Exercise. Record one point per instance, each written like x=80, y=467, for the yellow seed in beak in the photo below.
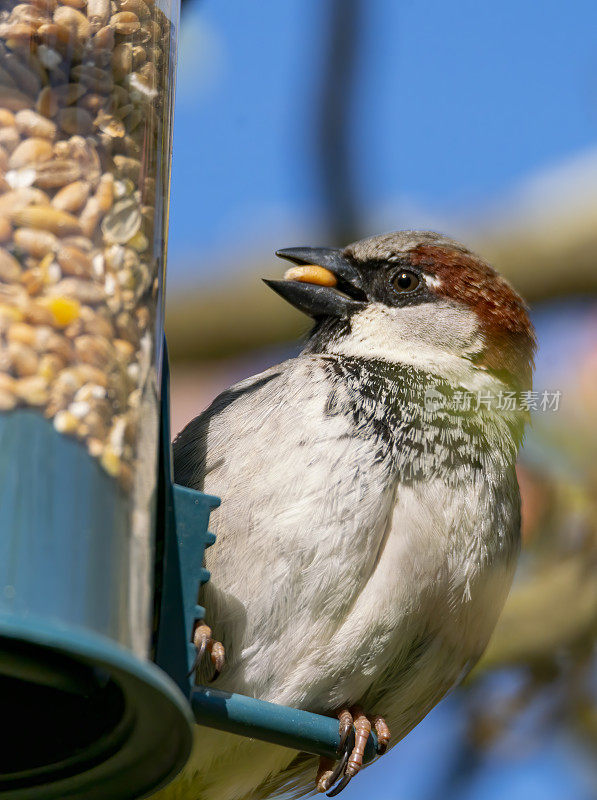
x=311, y=274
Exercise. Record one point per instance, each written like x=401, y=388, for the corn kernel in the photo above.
x=64, y=309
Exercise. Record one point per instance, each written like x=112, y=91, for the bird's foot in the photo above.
x=355, y=727
x=203, y=641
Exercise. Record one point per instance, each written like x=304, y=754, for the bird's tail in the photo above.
x=296, y=780
x=227, y=767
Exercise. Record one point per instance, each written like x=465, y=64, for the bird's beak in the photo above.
x=323, y=284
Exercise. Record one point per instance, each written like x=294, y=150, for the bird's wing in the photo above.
x=202, y=445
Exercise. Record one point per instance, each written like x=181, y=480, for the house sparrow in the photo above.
x=369, y=525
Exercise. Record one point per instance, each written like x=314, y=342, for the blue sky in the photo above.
x=456, y=104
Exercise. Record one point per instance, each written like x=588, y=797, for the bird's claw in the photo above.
x=330, y=771
x=382, y=730
x=203, y=641
x=340, y=786
x=355, y=728
x=341, y=772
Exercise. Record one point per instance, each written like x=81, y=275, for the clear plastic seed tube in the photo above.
x=85, y=135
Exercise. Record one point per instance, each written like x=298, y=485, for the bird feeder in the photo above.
x=101, y=556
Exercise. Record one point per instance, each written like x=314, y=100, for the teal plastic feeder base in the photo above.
x=83, y=716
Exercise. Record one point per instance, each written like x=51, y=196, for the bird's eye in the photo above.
x=405, y=281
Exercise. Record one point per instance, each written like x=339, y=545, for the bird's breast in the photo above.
x=336, y=569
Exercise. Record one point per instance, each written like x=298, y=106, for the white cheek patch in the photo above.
x=438, y=337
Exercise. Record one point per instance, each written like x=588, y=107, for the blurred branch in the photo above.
x=224, y=321
x=549, y=612
x=552, y=608
x=551, y=257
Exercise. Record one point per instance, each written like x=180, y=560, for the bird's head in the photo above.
x=413, y=297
